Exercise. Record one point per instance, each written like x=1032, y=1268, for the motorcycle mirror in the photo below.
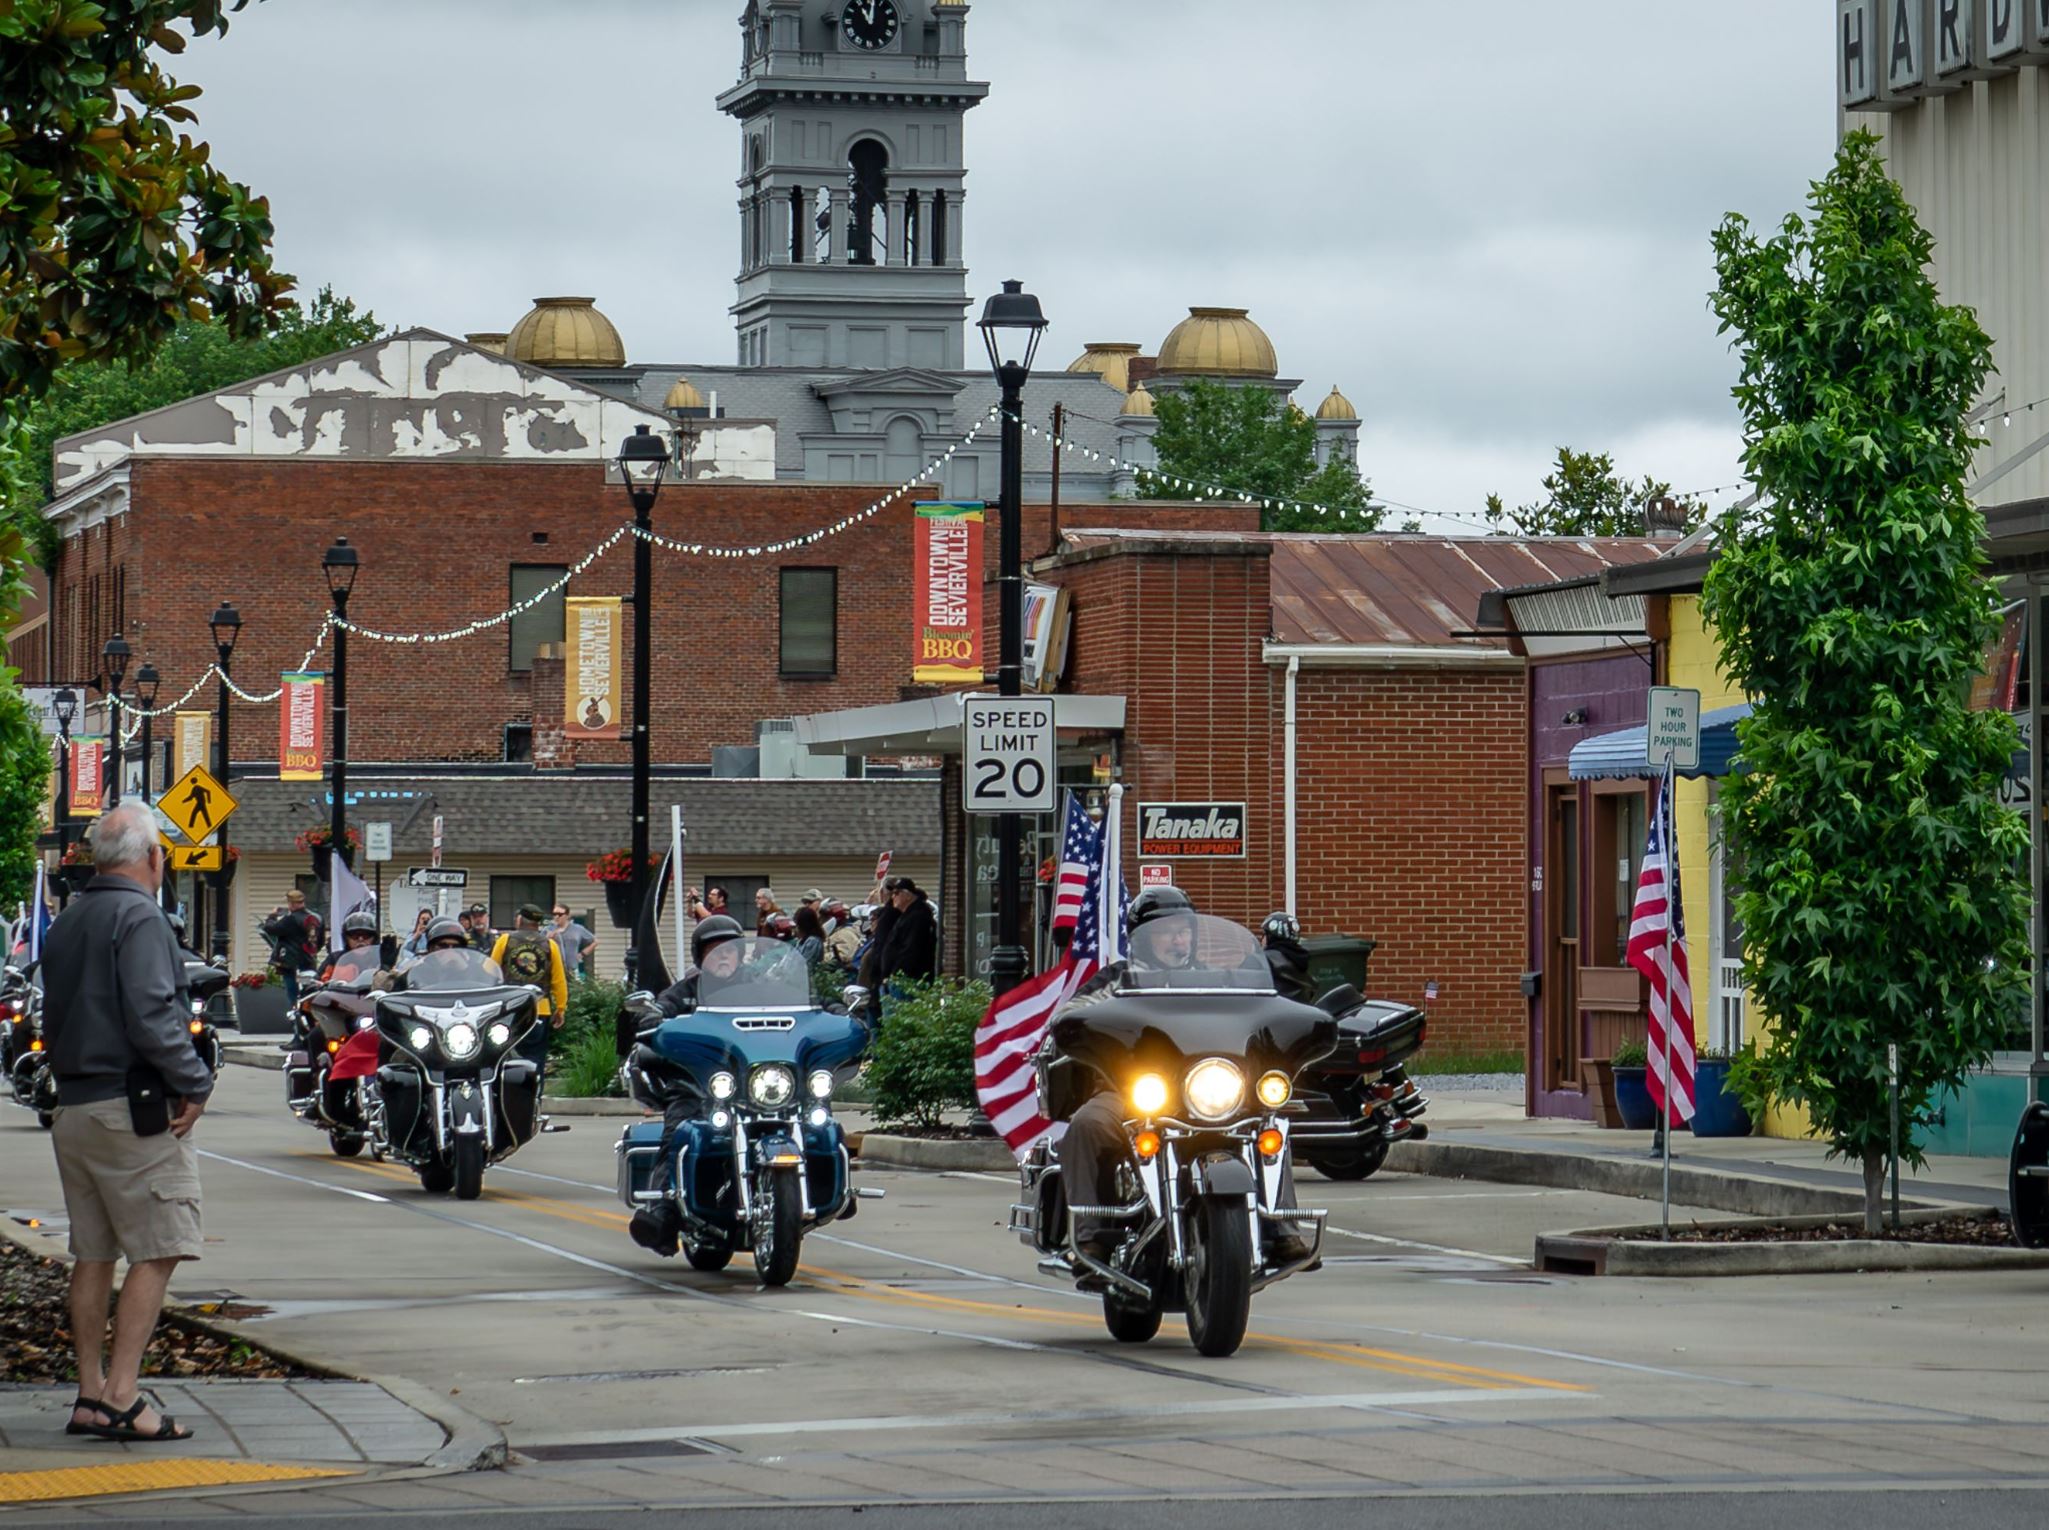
x=640, y=996
x=855, y=997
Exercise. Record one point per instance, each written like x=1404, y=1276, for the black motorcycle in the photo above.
x=331, y=1065
x=205, y=982
x=455, y=1095
x=29, y=1078
x=1204, y=1058
x=1359, y=1101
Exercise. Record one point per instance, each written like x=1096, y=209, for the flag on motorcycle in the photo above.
x=1657, y=949
x=347, y=894
x=1080, y=845
x=1015, y=1023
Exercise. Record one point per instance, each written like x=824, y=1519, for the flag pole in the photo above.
x=1110, y=927
x=1666, y=833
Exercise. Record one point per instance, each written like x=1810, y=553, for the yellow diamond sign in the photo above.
x=197, y=804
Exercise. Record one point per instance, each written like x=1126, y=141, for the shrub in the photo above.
x=585, y=1068
x=1633, y=1053
x=593, y=1005
x=923, y=1062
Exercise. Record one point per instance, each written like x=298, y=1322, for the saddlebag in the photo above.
x=405, y=1119
x=519, y=1100
x=639, y=1147
x=298, y=1076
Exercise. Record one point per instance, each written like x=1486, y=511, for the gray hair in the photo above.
x=124, y=835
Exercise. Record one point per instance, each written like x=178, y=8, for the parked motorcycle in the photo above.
x=1359, y=1101
x=2027, y=1177
x=29, y=1078
x=455, y=1095
x=331, y=1067
x=759, y=1160
x=1205, y=1059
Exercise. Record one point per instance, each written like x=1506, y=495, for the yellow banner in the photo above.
x=590, y=669
x=191, y=742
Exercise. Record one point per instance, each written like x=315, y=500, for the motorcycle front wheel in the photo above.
x=1218, y=1278
x=437, y=1176
x=345, y=1144
x=778, y=1227
x=469, y=1167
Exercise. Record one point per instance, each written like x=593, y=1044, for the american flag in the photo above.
x=1016, y=1022
x=1658, y=913
x=1080, y=846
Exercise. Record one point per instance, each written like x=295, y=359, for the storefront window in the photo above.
x=1621, y=820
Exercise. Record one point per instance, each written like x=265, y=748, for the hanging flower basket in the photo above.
x=614, y=871
x=619, y=904
x=318, y=841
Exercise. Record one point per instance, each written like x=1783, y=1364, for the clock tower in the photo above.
x=852, y=183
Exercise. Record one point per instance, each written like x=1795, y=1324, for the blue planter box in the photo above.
x=1633, y=1099
x=1716, y=1111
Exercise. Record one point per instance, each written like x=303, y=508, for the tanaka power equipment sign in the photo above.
x=1191, y=828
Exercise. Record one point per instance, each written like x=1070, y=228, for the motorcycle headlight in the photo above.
x=722, y=1086
x=1148, y=1094
x=771, y=1085
x=499, y=1033
x=460, y=1039
x=421, y=1038
x=820, y=1084
x=1274, y=1090
x=1215, y=1088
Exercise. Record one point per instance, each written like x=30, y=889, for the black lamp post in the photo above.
x=65, y=704
x=1011, y=326
x=643, y=456
x=115, y=656
x=226, y=626
x=146, y=682
x=339, y=563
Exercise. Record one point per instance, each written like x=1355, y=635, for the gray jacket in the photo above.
x=114, y=997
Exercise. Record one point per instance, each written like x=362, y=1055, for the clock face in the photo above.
x=869, y=24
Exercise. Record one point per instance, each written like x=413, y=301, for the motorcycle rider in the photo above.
x=358, y=930
x=1160, y=929
x=1281, y=934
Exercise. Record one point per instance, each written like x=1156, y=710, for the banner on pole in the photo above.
x=947, y=580
x=88, y=777
x=590, y=678
x=302, y=725
x=191, y=742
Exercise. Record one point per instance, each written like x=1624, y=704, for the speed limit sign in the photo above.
x=1007, y=750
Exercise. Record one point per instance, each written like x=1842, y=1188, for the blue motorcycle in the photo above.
x=748, y=1155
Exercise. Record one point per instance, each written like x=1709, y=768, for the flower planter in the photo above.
x=1601, y=1092
x=74, y=878
x=1717, y=1112
x=1633, y=1099
x=323, y=860
x=619, y=904
x=262, y=1011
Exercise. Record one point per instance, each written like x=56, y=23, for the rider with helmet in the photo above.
x=358, y=930
x=1285, y=954
x=714, y=949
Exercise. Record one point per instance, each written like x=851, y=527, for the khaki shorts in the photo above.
x=126, y=1195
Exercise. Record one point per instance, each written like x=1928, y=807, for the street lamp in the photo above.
x=1011, y=324
x=115, y=655
x=643, y=456
x=146, y=682
x=65, y=704
x=226, y=626
x=340, y=563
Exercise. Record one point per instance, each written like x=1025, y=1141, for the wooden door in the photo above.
x=1562, y=937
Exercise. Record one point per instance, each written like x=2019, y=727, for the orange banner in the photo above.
x=947, y=585
x=88, y=777
x=302, y=727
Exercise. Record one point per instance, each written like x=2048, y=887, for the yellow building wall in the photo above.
x=1693, y=659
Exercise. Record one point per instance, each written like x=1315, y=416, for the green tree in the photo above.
x=1886, y=896
x=1584, y=497
x=1250, y=440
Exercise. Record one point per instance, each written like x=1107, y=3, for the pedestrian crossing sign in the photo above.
x=197, y=804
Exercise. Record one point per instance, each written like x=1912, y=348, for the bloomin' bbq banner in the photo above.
x=947, y=581
x=590, y=672
x=88, y=777
x=301, y=745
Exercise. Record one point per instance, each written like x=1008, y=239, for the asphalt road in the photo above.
x=920, y=1357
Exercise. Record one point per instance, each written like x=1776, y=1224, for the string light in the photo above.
x=486, y=623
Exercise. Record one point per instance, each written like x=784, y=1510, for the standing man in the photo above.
x=295, y=933
x=130, y=1088
x=480, y=928
x=911, y=949
x=577, y=944
x=526, y=955
x=766, y=909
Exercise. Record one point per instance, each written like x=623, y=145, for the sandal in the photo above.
x=122, y=1424
x=73, y=1426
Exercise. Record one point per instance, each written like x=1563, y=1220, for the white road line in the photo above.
x=299, y=1179
x=1435, y=1248
x=1292, y=1403
x=1478, y=1195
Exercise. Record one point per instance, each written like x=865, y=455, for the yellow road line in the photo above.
x=149, y=1477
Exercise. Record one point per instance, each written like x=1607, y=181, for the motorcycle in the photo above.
x=1204, y=1058
x=204, y=982
x=29, y=1078
x=759, y=1160
x=331, y=1066
x=1359, y=1101
x=455, y=1096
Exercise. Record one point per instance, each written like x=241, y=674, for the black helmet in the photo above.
x=1155, y=903
x=360, y=923
x=445, y=928
x=1281, y=925
x=714, y=930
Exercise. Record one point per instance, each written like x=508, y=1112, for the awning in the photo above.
x=1606, y=756
x=932, y=724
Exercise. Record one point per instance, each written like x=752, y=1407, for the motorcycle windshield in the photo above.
x=754, y=972
x=354, y=968
x=462, y=967
x=1195, y=953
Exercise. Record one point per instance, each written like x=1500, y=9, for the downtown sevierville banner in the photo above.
x=590, y=668
x=301, y=720
x=946, y=582
x=191, y=742
x=88, y=776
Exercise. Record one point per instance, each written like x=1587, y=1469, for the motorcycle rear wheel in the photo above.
x=437, y=1177
x=1128, y=1322
x=46, y=1119
x=345, y=1144
x=1218, y=1279
x=1360, y=1163
x=469, y=1167
x=778, y=1233
x=706, y=1257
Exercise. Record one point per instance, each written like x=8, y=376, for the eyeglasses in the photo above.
x=561, y=913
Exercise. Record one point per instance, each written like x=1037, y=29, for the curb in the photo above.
x=1612, y=1251
x=250, y=1055
x=883, y=1151
x=596, y=1105
x=1744, y=1194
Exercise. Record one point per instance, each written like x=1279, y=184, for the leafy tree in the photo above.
x=1583, y=497
x=1887, y=897
x=1250, y=440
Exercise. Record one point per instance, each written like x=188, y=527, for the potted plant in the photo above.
x=319, y=842
x=260, y=1008
x=1718, y=1110
x=614, y=872
x=76, y=869
x=1632, y=1095
x=1601, y=1092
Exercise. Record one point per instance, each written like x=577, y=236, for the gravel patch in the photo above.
x=1498, y=1083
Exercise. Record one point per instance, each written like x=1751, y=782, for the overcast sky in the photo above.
x=1486, y=220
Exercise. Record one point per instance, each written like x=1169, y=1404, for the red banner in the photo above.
x=302, y=738
x=947, y=585
x=88, y=777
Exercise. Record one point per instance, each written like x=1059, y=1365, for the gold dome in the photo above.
x=1336, y=407
x=683, y=394
x=492, y=340
x=1109, y=360
x=566, y=332
x=1138, y=402
x=1217, y=342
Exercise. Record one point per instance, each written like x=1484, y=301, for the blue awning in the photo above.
x=1621, y=753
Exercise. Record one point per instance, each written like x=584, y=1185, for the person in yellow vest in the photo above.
x=525, y=954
